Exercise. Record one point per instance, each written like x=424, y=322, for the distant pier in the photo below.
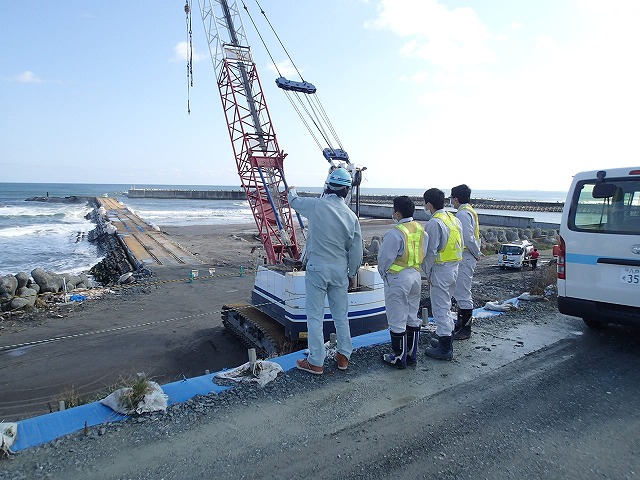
x=145, y=244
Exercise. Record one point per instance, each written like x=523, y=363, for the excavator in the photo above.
x=274, y=322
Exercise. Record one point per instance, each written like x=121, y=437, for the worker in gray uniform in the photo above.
x=399, y=261
x=334, y=253
x=460, y=198
x=440, y=265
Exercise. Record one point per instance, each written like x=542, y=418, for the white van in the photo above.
x=599, y=248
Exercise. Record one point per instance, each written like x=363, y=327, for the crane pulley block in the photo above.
x=336, y=154
x=302, y=87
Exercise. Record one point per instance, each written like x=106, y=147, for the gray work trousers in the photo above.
x=402, y=299
x=442, y=284
x=462, y=292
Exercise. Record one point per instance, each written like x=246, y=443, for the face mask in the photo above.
x=393, y=217
x=427, y=212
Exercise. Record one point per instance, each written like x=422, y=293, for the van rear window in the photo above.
x=618, y=212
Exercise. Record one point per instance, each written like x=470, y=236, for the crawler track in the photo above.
x=256, y=330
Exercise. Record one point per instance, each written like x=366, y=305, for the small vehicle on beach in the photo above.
x=515, y=254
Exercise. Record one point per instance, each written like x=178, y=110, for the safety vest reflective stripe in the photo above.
x=413, y=247
x=452, y=251
x=469, y=208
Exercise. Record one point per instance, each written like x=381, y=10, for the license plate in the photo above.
x=630, y=276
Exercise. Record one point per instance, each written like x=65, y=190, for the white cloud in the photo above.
x=28, y=77
x=447, y=38
x=182, y=50
x=285, y=68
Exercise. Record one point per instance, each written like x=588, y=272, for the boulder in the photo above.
x=8, y=284
x=33, y=285
x=5, y=301
x=512, y=236
x=23, y=279
x=49, y=282
x=25, y=297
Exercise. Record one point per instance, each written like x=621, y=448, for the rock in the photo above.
x=27, y=297
x=23, y=279
x=5, y=301
x=512, y=236
x=33, y=285
x=8, y=284
x=49, y=282
x=71, y=280
x=126, y=278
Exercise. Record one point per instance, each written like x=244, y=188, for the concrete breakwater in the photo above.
x=187, y=194
x=480, y=203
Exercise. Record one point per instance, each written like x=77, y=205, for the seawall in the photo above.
x=385, y=211
x=187, y=194
x=480, y=203
x=379, y=206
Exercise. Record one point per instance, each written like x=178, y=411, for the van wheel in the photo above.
x=592, y=323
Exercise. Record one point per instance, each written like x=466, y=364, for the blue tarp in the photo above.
x=45, y=428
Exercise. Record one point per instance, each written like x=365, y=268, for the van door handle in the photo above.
x=619, y=261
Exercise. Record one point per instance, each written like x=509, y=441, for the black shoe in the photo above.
x=444, y=350
x=462, y=333
x=462, y=329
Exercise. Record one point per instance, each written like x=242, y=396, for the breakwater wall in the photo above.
x=479, y=203
x=187, y=194
x=385, y=211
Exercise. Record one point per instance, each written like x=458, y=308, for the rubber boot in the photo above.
x=462, y=330
x=444, y=350
x=398, y=358
x=413, y=336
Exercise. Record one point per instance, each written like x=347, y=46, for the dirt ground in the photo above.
x=166, y=326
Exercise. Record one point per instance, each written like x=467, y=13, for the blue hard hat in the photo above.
x=338, y=179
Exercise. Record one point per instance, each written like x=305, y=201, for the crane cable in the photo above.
x=187, y=11
x=315, y=112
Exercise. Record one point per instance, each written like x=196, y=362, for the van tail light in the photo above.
x=559, y=251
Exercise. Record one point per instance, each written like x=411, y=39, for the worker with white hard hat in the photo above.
x=334, y=253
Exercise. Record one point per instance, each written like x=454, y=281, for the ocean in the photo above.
x=53, y=236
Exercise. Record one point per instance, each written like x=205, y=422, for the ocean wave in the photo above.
x=46, y=230
x=65, y=214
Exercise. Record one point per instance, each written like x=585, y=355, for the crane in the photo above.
x=258, y=156
x=278, y=296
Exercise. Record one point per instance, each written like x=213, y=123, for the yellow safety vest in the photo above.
x=413, y=247
x=452, y=251
x=469, y=208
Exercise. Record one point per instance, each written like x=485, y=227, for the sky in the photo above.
x=507, y=95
